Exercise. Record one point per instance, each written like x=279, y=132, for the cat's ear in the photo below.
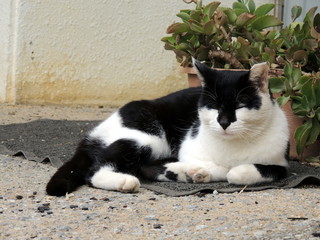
x=202, y=71
x=259, y=75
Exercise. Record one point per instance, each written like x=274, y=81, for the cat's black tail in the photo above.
x=72, y=174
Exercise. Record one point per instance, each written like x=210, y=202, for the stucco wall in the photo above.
x=91, y=51
x=5, y=47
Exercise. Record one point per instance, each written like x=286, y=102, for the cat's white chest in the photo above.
x=208, y=150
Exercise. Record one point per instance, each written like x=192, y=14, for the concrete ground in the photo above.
x=26, y=212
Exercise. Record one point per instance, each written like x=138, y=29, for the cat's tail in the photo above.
x=71, y=175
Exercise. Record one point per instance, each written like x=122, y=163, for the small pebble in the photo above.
x=157, y=226
x=43, y=209
x=19, y=197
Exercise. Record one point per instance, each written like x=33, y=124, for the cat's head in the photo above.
x=234, y=104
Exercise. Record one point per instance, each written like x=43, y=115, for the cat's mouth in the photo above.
x=226, y=133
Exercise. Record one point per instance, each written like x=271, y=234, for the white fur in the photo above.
x=107, y=179
x=245, y=174
x=112, y=130
x=258, y=136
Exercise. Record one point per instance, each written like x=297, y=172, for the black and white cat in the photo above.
x=230, y=129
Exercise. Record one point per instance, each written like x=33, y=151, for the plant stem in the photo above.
x=227, y=57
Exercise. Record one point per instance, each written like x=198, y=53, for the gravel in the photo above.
x=26, y=212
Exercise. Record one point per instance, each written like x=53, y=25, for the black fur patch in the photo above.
x=153, y=169
x=73, y=173
x=195, y=128
x=124, y=155
x=173, y=115
x=275, y=172
x=227, y=91
x=171, y=175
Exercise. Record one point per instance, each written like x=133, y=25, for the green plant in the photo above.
x=300, y=83
x=241, y=36
x=224, y=37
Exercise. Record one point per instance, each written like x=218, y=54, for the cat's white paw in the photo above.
x=199, y=175
x=245, y=174
x=129, y=184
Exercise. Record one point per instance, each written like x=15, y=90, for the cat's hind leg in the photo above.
x=106, y=178
x=248, y=174
x=117, y=165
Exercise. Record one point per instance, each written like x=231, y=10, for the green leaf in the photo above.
x=316, y=88
x=317, y=112
x=239, y=5
x=300, y=55
x=265, y=21
x=199, y=5
x=196, y=26
x=183, y=46
x=264, y=9
x=296, y=74
x=316, y=22
x=277, y=84
x=170, y=39
x=272, y=35
x=184, y=16
x=239, y=8
x=232, y=16
x=178, y=28
x=211, y=8
x=195, y=15
x=295, y=12
x=243, y=19
x=312, y=11
x=209, y=28
x=180, y=53
x=301, y=136
x=308, y=92
x=288, y=70
x=282, y=100
x=309, y=16
x=251, y=6
x=302, y=80
x=315, y=131
x=202, y=53
x=310, y=44
x=168, y=46
x=298, y=108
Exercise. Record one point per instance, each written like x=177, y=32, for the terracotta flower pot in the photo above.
x=294, y=122
x=193, y=79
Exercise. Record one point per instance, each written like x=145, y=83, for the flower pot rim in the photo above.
x=191, y=70
x=272, y=72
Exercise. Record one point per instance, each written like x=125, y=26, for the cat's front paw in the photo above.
x=245, y=174
x=200, y=175
x=129, y=184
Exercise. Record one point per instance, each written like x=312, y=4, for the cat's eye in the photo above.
x=212, y=105
x=240, y=105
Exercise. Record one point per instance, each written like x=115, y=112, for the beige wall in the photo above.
x=87, y=51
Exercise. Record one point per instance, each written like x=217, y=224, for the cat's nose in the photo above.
x=224, y=122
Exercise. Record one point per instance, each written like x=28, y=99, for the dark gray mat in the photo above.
x=55, y=141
